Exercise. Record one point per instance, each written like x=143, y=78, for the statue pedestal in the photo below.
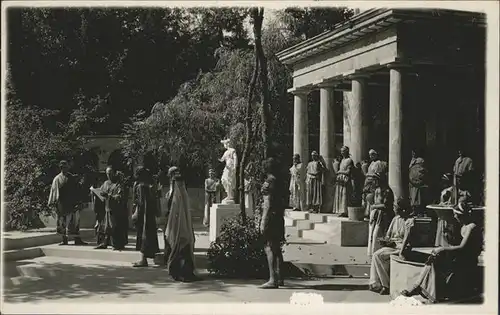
x=218, y=213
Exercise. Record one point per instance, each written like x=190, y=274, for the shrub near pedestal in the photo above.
x=238, y=251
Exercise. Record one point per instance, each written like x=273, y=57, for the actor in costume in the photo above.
x=64, y=197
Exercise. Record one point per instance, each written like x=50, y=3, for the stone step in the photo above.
x=336, y=271
x=292, y=232
x=22, y=253
x=298, y=215
x=19, y=240
x=300, y=224
x=327, y=260
x=316, y=235
x=326, y=254
x=129, y=255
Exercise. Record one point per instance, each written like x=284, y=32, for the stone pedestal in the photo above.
x=404, y=274
x=220, y=212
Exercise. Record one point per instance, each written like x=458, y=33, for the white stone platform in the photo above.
x=218, y=213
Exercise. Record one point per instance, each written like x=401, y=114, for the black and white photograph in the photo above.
x=256, y=154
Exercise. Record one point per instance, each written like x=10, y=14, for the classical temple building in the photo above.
x=409, y=78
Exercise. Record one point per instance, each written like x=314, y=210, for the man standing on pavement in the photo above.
x=63, y=197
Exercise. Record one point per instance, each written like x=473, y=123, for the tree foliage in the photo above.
x=125, y=59
x=32, y=156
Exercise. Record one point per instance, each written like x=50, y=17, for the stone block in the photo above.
x=220, y=212
x=424, y=232
x=404, y=274
x=342, y=231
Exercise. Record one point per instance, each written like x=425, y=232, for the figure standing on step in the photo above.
x=64, y=197
x=295, y=184
x=145, y=217
x=314, y=182
x=212, y=188
x=249, y=189
x=417, y=186
x=344, y=183
x=178, y=232
x=381, y=212
x=272, y=225
x=375, y=166
x=110, y=221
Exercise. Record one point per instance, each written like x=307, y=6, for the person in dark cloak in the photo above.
x=145, y=217
x=178, y=231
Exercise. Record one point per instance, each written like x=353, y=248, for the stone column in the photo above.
x=301, y=136
x=327, y=143
x=359, y=130
x=346, y=130
x=396, y=133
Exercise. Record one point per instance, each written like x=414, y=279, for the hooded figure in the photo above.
x=178, y=232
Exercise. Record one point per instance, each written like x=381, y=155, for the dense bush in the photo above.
x=238, y=251
x=35, y=143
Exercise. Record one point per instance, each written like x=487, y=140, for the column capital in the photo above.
x=299, y=91
x=327, y=83
x=356, y=75
x=399, y=65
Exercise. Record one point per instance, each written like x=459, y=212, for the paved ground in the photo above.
x=56, y=279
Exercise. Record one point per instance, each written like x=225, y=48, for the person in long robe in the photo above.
x=212, y=187
x=462, y=171
x=314, y=182
x=272, y=225
x=145, y=217
x=381, y=213
x=295, y=185
x=249, y=190
x=450, y=269
x=178, y=232
x=396, y=242
x=122, y=218
x=376, y=166
x=418, y=188
x=110, y=225
x=64, y=198
x=446, y=232
x=343, y=184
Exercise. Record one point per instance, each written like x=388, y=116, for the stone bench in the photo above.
x=404, y=274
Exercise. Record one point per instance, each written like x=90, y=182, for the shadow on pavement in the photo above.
x=73, y=281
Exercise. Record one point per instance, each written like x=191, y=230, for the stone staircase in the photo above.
x=326, y=245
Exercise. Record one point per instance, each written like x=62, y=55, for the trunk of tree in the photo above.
x=257, y=29
x=265, y=116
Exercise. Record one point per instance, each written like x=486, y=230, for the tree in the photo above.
x=61, y=59
x=32, y=156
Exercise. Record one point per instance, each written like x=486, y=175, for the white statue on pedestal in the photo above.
x=229, y=175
